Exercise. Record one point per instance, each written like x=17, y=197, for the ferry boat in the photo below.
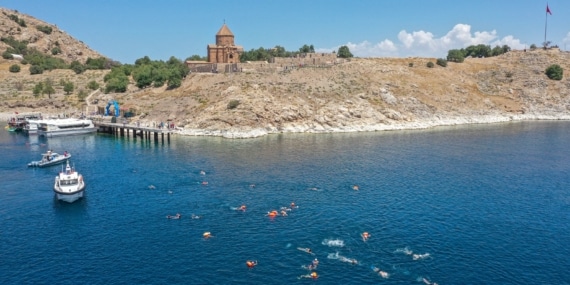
x=69, y=185
x=65, y=127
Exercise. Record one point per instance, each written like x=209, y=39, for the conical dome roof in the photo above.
x=224, y=31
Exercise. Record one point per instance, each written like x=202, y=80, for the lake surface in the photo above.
x=481, y=204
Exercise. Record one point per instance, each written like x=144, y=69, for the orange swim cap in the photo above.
x=314, y=275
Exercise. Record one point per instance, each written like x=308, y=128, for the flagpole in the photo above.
x=545, y=24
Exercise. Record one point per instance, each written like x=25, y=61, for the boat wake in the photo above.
x=333, y=242
x=342, y=258
x=420, y=256
x=404, y=250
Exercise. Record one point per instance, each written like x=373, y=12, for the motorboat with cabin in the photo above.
x=18, y=122
x=64, y=127
x=69, y=185
x=50, y=158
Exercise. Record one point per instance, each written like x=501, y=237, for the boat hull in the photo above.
x=49, y=163
x=67, y=194
x=69, y=197
x=78, y=131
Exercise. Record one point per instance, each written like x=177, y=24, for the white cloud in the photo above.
x=425, y=44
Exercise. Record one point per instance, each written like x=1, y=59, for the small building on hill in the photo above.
x=225, y=50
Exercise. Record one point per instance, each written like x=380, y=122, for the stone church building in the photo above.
x=225, y=50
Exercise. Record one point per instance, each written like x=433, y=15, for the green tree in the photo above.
x=174, y=81
x=196, y=57
x=344, y=52
x=48, y=88
x=430, y=64
x=81, y=95
x=68, y=87
x=77, y=67
x=455, y=55
x=555, y=72
x=441, y=62
x=38, y=88
x=14, y=68
x=305, y=49
x=143, y=61
x=143, y=76
x=93, y=85
x=532, y=47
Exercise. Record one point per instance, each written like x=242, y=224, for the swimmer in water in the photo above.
x=307, y=250
x=349, y=260
x=355, y=187
x=313, y=275
x=175, y=217
x=384, y=274
x=251, y=263
x=207, y=235
x=202, y=172
x=283, y=213
x=242, y=208
x=195, y=217
x=365, y=236
x=315, y=262
x=252, y=185
x=293, y=206
x=205, y=183
x=272, y=214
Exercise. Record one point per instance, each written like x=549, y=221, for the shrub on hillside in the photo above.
x=429, y=64
x=44, y=29
x=36, y=69
x=55, y=51
x=441, y=62
x=411, y=64
x=93, y=85
x=554, y=72
x=233, y=104
x=15, y=68
x=7, y=55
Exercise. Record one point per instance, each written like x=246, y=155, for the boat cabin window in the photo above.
x=68, y=182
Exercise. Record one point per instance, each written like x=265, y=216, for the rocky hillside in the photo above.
x=25, y=28
x=357, y=95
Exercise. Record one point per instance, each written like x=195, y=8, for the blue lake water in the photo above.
x=482, y=204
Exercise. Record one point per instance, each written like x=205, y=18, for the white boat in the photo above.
x=69, y=185
x=65, y=127
x=31, y=126
x=50, y=158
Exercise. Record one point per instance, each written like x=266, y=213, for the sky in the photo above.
x=125, y=30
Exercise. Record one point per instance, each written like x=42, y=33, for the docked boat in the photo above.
x=65, y=127
x=50, y=158
x=31, y=127
x=18, y=122
x=69, y=185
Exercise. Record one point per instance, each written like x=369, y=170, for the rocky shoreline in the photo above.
x=316, y=128
x=247, y=132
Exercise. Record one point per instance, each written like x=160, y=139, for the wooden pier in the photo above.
x=125, y=130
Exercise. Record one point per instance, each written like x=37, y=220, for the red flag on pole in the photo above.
x=548, y=10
